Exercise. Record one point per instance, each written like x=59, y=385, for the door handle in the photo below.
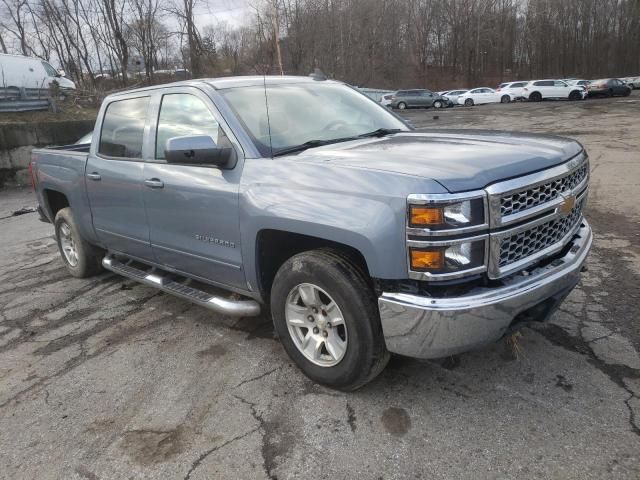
x=95, y=176
x=154, y=183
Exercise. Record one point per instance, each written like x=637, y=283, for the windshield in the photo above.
x=306, y=112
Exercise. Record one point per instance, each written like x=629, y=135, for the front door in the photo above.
x=193, y=210
x=113, y=178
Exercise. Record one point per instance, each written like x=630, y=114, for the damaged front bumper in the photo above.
x=430, y=327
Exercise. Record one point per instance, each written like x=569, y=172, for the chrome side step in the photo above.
x=161, y=280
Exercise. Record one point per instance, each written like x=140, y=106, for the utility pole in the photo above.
x=276, y=35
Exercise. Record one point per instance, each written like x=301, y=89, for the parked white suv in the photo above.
x=514, y=89
x=537, y=90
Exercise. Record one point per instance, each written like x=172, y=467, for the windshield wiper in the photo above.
x=310, y=144
x=381, y=132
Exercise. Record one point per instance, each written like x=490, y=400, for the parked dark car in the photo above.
x=608, y=87
x=418, y=98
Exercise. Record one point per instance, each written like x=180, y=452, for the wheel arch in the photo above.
x=274, y=247
x=55, y=201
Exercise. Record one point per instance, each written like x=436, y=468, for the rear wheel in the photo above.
x=505, y=99
x=326, y=316
x=609, y=93
x=402, y=105
x=80, y=258
x=535, y=97
x=468, y=102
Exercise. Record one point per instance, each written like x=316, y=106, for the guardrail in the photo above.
x=13, y=99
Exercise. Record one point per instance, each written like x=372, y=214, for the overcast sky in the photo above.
x=233, y=11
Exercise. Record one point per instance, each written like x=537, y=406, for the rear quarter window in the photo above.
x=123, y=128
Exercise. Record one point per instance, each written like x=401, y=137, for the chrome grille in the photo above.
x=540, y=194
x=531, y=241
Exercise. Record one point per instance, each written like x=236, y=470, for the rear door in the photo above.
x=114, y=176
x=193, y=210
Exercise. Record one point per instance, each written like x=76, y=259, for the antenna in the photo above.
x=266, y=103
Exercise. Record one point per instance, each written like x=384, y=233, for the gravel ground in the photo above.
x=104, y=378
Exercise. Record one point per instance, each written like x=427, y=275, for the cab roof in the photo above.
x=230, y=82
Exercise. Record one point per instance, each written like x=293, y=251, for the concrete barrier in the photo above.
x=18, y=139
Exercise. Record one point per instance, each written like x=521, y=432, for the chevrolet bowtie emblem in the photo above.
x=567, y=205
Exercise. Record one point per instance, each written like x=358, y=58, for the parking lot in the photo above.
x=104, y=378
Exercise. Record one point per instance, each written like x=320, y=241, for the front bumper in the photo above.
x=425, y=327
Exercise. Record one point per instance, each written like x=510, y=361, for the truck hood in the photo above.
x=459, y=160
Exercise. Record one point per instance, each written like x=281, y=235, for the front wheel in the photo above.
x=437, y=104
x=575, y=95
x=326, y=315
x=80, y=258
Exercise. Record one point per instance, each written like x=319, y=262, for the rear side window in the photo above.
x=123, y=128
x=182, y=114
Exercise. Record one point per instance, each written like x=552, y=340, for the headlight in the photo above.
x=447, y=235
x=436, y=215
x=448, y=259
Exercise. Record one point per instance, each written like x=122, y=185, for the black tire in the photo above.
x=505, y=99
x=628, y=92
x=438, y=104
x=366, y=354
x=468, y=102
x=609, y=93
x=88, y=257
x=535, y=97
x=575, y=95
x=402, y=106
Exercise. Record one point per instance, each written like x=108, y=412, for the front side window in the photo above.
x=182, y=114
x=302, y=112
x=123, y=128
x=518, y=85
x=52, y=72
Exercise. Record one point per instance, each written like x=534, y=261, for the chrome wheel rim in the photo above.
x=67, y=244
x=316, y=325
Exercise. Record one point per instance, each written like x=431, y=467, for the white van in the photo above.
x=29, y=72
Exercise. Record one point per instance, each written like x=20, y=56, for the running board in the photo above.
x=162, y=281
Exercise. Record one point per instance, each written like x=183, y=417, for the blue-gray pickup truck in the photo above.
x=307, y=201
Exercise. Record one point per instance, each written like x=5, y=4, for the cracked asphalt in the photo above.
x=107, y=379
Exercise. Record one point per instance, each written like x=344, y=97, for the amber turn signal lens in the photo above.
x=427, y=216
x=427, y=259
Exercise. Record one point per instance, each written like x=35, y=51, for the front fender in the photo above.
x=363, y=209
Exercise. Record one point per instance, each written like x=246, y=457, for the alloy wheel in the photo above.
x=316, y=325
x=68, y=244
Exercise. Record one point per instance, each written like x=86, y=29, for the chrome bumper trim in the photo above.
x=425, y=327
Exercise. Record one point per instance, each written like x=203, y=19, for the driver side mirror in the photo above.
x=198, y=150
